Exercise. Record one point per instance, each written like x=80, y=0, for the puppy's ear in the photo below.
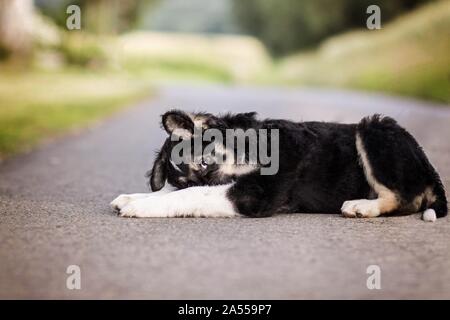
x=250, y=115
x=158, y=174
x=178, y=123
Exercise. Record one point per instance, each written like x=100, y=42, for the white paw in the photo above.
x=360, y=209
x=121, y=201
x=139, y=208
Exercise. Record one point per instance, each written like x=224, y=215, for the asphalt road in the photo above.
x=54, y=213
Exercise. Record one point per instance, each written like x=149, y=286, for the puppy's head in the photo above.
x=197, y=168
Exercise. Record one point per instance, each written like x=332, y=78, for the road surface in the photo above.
x=54, y=213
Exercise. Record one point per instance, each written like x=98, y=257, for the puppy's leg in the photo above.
x=204, y=201
x=123, y=199
x=396, y=168
x=364, y=208
x=387, y=200
x=253, y=196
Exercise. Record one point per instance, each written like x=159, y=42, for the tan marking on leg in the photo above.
x=387, y=200
x=429, y=196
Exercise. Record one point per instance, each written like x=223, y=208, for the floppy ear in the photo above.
x=178, y=122
x=251, y=115
x=158, y=174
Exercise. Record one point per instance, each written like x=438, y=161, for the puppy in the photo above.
x=362, y=170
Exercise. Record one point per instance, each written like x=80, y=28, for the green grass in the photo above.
x=178, y=69
x=37, y=105
x=409, y=56
x=99, y=75
x=193, y=57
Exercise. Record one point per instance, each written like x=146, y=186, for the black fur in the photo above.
x=399, y=162
x=319, y=166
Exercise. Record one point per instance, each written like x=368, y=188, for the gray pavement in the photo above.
x=54, y=213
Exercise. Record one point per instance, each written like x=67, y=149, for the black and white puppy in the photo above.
x=362, y=170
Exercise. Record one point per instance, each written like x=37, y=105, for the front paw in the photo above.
x=137, y=208
x=120, y=202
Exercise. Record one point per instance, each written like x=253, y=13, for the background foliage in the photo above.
x=288, y=25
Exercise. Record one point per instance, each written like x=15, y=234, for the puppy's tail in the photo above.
x=438, y=208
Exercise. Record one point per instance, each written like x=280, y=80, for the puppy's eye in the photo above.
x=203, y=164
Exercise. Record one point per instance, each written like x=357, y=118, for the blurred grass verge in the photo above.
x=409, y=56
x=218, y=58
x=75, y=78
x=37, y=105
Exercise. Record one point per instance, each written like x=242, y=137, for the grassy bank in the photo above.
x=37, y=105
x=409, y=56
x=169, y=56
x=93, y=76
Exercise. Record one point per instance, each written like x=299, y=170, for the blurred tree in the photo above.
x=195, y=16
x=287, y=25
x=99, y=16
x=16, y=23
x=110, y=16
